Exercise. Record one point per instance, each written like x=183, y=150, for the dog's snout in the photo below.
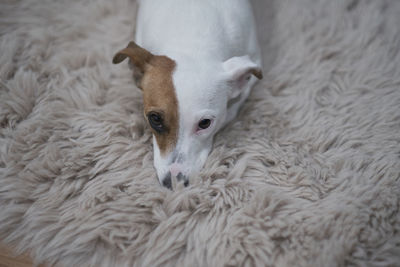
x=167, y=182
x=181, y=177
x=176, y=171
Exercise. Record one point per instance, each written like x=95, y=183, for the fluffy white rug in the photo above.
x=308, y=175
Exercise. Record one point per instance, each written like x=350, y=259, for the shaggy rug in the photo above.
x=307, y=175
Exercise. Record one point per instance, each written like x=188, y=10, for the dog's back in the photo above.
x=212, y=28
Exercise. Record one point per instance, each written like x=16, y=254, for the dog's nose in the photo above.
x=167, y=181
x=181, y=177
x=175, y=169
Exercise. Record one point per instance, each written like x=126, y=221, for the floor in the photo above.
x=8, y=260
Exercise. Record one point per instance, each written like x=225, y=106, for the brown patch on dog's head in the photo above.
x=159, y=97
x=160, y=102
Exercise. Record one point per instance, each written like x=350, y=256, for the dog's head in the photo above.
x=185, y=104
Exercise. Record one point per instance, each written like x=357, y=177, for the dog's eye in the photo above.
x=156, y=121
x=204, y=124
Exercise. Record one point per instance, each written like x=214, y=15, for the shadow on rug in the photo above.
x=308, y=175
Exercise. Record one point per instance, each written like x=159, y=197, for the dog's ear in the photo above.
x=239, y=71
x=139, y=58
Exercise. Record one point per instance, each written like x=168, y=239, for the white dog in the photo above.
x=196, y=61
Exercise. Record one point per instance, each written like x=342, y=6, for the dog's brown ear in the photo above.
x=138, y=56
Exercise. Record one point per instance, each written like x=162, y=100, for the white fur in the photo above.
x=211, y=42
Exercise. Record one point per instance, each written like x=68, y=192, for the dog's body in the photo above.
x=197, y=61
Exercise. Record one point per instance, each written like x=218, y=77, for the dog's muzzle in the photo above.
x=167, y=181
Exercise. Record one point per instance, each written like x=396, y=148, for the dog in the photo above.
x=196, y=62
